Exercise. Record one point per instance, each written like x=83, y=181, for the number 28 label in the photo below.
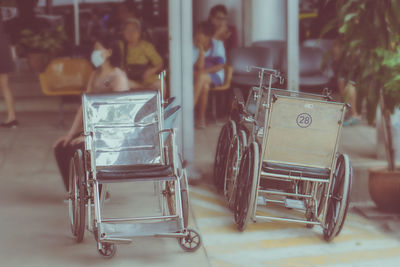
x=304, y=120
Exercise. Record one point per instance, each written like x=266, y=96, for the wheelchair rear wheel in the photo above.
x=247, y=186
x=77, y=196
x=236, y=148
x=338, y=202
x=185, y=207
x=228, y=131
x=171, y=198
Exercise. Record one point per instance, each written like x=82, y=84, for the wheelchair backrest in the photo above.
x=125, y=128
x=303, y=131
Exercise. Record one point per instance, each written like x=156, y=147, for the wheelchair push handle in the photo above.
x=161, y=77
x=266, y=71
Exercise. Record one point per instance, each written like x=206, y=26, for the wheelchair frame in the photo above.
x=171, y=189
x=254, y=176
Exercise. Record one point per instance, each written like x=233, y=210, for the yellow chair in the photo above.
x=220, y=89
x=65, y=77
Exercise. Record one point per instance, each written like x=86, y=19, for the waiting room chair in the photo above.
x=277, y=50
x=326, y=45
x=65, y=77
x=313, y=74
x=242, y=58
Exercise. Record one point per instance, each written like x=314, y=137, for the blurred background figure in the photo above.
x=6, y=66
x=209, y=60
x=226, y=33
x=141, y=61
x=26, y=19
x=347, y=88
x=95, y=26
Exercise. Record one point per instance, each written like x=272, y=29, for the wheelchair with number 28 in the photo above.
x=280, y=149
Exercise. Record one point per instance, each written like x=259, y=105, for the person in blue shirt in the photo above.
x=209, y=60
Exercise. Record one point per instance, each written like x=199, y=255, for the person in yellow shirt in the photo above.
x=141, y=61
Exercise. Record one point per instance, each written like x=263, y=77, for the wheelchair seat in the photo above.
x=134, y=172
x=295, y=170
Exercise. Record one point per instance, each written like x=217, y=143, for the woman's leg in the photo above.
x=202, y=82
x=203, y=99
x=352, y=99
x=63, y=155
x=8, y=98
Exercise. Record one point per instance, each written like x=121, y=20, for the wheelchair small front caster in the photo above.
x=107, y=250
x=310, y=218
x=191, y=242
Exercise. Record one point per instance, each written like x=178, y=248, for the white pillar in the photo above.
x=187, y=80
x=266, y=21
x=181, y=70
x=293, y=44
x=76, y=22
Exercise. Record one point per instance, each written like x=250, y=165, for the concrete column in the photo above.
x=267, y=18
x=187, y=79
x=76, y=22
x=293, y=56
x=181, y=71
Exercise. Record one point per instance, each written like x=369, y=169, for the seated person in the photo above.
x=106, y=78
x=209, y=61
x=226, y=33
x=141, y=61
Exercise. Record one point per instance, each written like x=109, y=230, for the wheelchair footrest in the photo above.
x=294, y=204
x=127, y=230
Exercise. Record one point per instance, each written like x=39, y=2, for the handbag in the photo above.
x=133, y=71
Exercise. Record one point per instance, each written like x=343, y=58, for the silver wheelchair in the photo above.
x=281, y=149
x=129, y=138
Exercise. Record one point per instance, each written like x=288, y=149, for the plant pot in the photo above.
x=384, y=188
x=37, y=61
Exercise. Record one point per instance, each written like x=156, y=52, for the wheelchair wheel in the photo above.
x=235, y=153
x=185, y=207
x=339, y=198
x=247, y=186
x=107, y=250
x=228, y=131
x=191, y=242
x=185, y=200
x=170, y=195
x=77, y=196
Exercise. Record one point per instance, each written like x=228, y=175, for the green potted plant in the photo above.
x=40, y=46
x=369, y=33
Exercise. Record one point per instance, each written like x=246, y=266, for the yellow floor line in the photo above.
x=289, y=242
x=337, y=258
x=220, y=263
x=214, y=200
x=202, y=212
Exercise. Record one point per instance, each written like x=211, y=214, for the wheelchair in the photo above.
x=283, y=154
x=129, y=138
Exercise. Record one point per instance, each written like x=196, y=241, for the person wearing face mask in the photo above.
x=107, y=77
